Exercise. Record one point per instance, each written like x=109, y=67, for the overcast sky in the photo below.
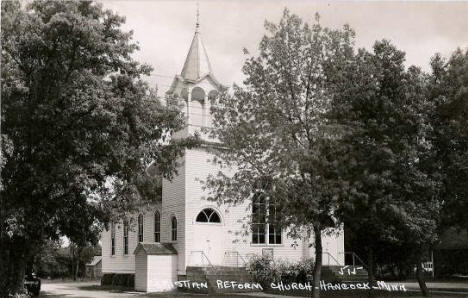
x=164, y=29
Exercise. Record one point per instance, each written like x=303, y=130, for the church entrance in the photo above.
x=209, y=238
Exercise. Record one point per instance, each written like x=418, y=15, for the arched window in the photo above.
x=157, y=226
x=174, y=228
x=208, y=215
x=213, y=94
x=140, y=228
x=198, y=94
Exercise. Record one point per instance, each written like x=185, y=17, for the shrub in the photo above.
x=118, y=279
x=265, y=270
x=106, y=279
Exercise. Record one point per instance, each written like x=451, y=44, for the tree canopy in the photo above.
x=79, y=126
x=275, y=132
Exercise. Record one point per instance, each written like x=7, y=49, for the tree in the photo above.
x=79, y=126
x=449, y=92
x=393, y=190
x=275, y=133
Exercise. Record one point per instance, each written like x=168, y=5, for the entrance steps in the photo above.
x=220, y=279
x=347, y=273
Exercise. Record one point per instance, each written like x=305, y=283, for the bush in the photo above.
x=106, y=279
x=265, y=270
x=297, y=272
x=118, y=279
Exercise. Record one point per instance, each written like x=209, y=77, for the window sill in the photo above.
x=265, y=245
x=208, y=223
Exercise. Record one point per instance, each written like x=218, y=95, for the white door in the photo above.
x=208, y=238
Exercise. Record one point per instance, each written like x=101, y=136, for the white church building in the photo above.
x=186, y=231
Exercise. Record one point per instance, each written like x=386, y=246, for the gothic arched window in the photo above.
x=112, y=238
x=208, y=215
x=157, y=226
x=174, y=229
x=140, y=228
x=125, y=237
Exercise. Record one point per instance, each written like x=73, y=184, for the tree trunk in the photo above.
x=16, y=269
x=19, y=270
x=73, y=261
x=318, y=262
x=420, y=277
x=77, y=268
x=13, y=255
x=4, y=265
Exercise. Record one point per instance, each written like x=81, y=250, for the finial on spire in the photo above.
x=197, y=26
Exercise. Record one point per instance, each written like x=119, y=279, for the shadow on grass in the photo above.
x=111, y=289
x=375, y=294
x=46, y=294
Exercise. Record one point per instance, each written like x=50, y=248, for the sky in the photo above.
x=164, y=29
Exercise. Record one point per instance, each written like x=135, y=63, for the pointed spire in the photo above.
x=197, y=64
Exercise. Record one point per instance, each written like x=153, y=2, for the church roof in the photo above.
x=197, y=65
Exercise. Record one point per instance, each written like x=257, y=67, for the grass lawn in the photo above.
x=357, y=293
x=298, y=293
x=329, y=294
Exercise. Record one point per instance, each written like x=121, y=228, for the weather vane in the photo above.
x=198, y=16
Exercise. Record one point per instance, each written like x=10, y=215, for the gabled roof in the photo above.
x=155, y=248
x=197, y=65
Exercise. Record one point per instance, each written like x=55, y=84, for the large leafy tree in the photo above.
x=274, y=131
x=393, y=189
x=449, y=92
x=79, y=127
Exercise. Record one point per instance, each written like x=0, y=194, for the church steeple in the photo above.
x=197, y=65
x=196, y=71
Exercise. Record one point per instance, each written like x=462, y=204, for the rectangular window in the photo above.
x=274, y=230
x=265, y=227
x=125, y=238
x=112, y=238
x=274, y=234
x=258, y=220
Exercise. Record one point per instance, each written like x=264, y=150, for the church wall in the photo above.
x=173, y=203
x=120, y=263
x=198, y=168
x=233, y=234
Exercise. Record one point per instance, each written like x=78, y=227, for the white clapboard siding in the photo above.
x=141, y=272
x=120, y=263
x=173, y=204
